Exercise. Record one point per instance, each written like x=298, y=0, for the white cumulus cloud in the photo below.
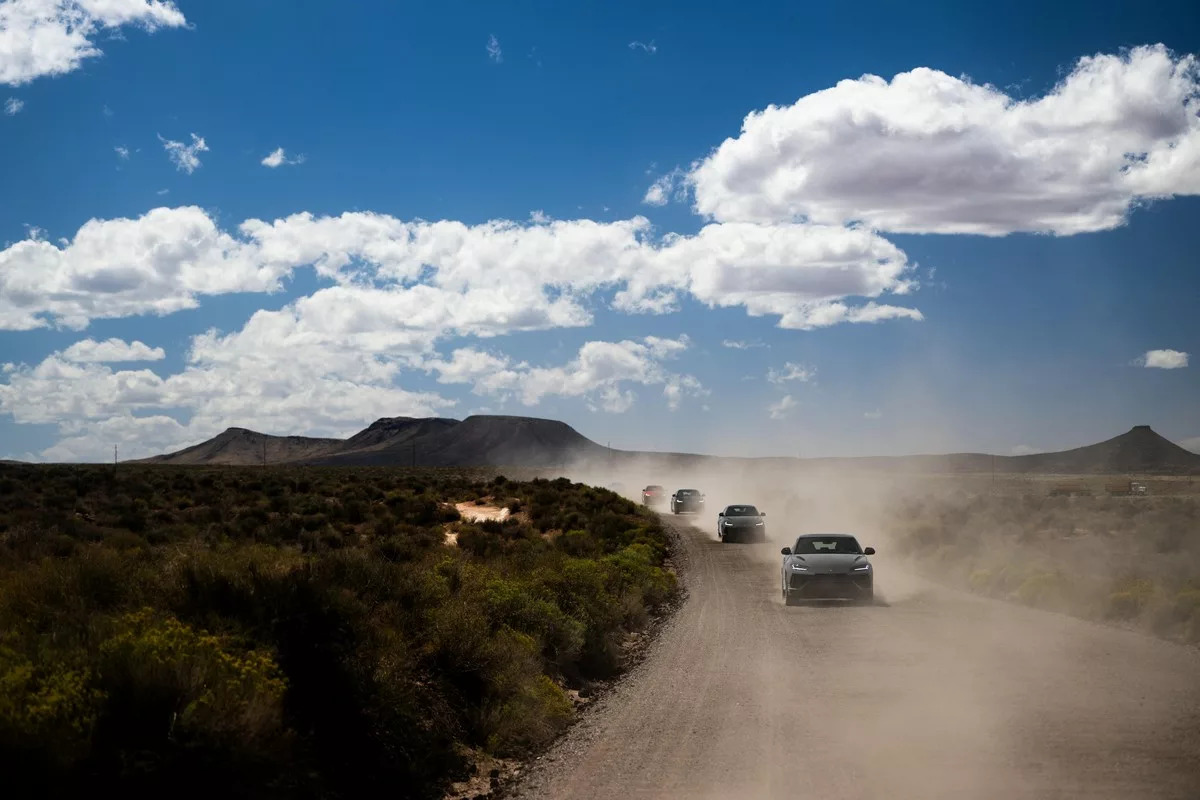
x=13, y=106
x=791, y=372
x=90, y=351
x=185, y=157
x=927, y=152
x=646, y=47
x=876, y=414
x=599, y=373
x=155, y=264
x=122, y=153
x=53, y=37
x=449, y=277
x=226, y=382
x=782, y=408
x=278, y=158
x=668, y=187
x=1162, y=359
x=493, y=49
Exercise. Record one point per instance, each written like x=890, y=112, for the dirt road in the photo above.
x=931, y=694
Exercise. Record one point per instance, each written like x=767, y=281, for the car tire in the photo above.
x=867, y=598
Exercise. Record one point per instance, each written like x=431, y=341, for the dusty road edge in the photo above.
x=530, y=773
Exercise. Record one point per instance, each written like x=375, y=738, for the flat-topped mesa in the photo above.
x=518, y=441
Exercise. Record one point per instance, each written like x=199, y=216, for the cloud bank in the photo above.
x=41, y=38
x=927, y=152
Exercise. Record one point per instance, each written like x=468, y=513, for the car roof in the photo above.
x=826, y=536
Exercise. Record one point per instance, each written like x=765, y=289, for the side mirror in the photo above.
x=870, y=551
x=787, y=551
x=762, y=513
x=720, y=513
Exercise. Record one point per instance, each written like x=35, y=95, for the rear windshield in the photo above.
x=653, y=488
x=741, y=511
x=813, y=545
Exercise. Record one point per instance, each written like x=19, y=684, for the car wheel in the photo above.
x=868, y=597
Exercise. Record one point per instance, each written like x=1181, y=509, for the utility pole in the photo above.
x=114, y=458
x=264, y=451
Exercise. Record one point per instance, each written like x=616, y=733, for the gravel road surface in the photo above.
x=929, y=694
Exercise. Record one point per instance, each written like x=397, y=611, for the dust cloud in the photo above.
x=931, y=693
x=797, y=499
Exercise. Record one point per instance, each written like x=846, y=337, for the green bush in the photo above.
x=165, y=681
x=300, y=631
x=47, y=713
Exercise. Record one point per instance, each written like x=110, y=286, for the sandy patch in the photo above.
x=473, y=513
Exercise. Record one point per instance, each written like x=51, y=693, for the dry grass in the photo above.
x=1133, y=560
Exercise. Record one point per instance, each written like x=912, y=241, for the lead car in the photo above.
x=824, y=566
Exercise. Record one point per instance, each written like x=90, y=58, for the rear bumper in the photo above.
x=845, y=585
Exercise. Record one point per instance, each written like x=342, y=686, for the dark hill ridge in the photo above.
x=510, y=441
x=1140, y=450
x=477, y=441
x=242, y=446
x=482, y=440
x=391, y=431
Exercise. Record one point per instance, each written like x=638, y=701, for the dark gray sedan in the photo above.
x=741, y=524
x=685, y=501
x=823, y=566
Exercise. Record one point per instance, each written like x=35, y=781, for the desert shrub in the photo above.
x=47, y=713
x=480, y=542
x=1186, y=605
x=1042, y=590
x=578, y=543
x=1130, y=598
x=527, y=718
x=164, y=681
x=299, y=632
x=980, y=580
x=530, y=609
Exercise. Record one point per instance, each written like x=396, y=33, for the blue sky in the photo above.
x=564, y=210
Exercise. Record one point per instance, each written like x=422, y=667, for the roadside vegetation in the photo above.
x=1128, y=560
x=292, y=632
